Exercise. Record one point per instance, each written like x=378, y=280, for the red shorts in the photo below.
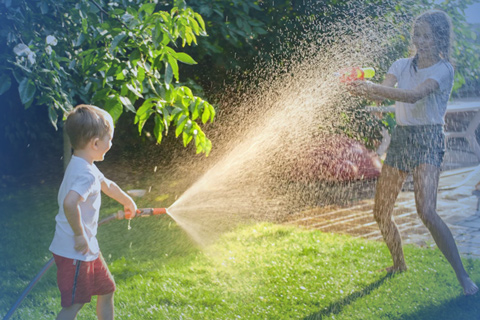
x=79, y=280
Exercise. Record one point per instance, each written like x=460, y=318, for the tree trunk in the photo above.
x=67, y=149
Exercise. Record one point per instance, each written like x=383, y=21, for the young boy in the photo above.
x=82, y=272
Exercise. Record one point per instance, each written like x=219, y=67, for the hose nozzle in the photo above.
x=143, y=212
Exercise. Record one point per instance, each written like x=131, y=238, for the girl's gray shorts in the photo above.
x=411, y=146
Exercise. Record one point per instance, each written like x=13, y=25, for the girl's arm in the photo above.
x=112, y=190
x=370, y=89
x=356, y=88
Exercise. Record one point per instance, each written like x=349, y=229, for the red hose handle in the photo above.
x=143, y=212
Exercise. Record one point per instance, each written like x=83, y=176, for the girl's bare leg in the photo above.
x=388, y=187
x=426, y=179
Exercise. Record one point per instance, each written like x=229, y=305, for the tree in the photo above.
x=123, y=55
x=240, y=31
x=117, y=54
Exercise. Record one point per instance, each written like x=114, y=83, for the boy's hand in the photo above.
x=112, y=190
x=130, y=206
x=81, y=244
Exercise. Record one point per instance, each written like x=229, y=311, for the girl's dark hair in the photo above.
x=442, y=30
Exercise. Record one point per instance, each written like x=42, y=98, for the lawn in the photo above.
x=261, y=271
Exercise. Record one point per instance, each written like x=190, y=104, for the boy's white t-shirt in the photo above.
x=85, y=179
x=431, y=109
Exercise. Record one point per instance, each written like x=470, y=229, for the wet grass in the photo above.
x=262, y=271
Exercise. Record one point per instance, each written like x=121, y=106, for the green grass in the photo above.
x=262, y=271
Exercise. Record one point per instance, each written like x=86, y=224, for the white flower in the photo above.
x=31, y=57
x=195, y=132
x=52, y=41
x=49, y=50
x=22, y=50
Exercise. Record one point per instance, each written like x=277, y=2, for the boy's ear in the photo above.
x=94, y=143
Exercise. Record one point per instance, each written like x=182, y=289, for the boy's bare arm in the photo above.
x=72, y=213
x=112, y=190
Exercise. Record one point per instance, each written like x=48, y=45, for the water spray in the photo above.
x=347, y=75
x=120, y=215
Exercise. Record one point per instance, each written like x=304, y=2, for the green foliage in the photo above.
x=232, y=25
x=240, y=31
x=119, y=55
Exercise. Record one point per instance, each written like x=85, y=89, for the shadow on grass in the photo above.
x=337, y=306
x=461, y=307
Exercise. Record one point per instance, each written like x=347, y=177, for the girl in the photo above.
x=424, y=83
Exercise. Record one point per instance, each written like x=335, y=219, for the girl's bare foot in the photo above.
x=469, y=287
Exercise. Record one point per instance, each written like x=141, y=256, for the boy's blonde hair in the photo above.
x=86, y=122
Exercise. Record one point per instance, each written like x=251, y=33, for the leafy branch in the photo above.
x=126, y=60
